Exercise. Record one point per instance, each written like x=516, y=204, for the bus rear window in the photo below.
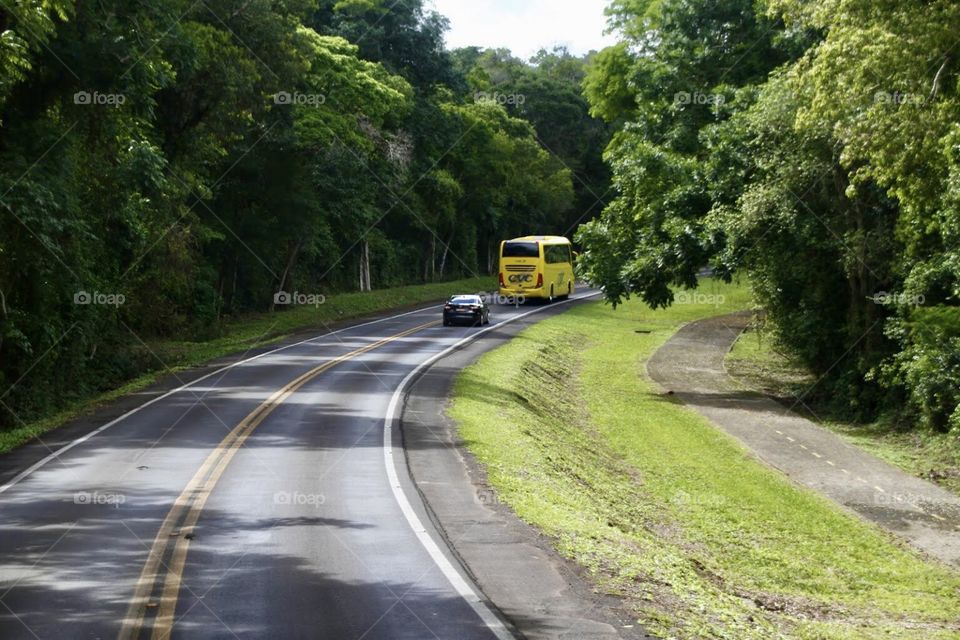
x=521, y=250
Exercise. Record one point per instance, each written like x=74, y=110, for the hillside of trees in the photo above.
x=813, y=147
x=168, y=165
x=175, y=165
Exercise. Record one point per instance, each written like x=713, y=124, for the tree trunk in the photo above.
x=233, y=288
x=291, y=261
x=3, y=308
x=365, y=266
x=443, y=260
x=219, y=301
x=366, y=259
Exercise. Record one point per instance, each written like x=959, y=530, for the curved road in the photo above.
x=266, y=499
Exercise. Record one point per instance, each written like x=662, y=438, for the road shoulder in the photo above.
x=542, y=594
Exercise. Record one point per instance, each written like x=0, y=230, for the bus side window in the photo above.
x=556, y=254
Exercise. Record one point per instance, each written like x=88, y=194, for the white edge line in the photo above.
x=52, y=456
x=393, y=417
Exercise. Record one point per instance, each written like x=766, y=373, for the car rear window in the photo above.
x=465, y=299
x=521, y=249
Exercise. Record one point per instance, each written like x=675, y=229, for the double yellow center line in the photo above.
x=157, y=589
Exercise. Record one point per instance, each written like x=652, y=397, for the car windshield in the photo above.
x=465, y=300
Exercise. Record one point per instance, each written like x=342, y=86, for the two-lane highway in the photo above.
x=267, y=499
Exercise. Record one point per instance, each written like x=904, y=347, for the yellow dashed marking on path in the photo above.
x=817, y=455
x=830, y=462
x=880, y=489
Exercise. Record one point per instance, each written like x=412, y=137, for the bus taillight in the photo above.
x=539, y=281
x=501, y=280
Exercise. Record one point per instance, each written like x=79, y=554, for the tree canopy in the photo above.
x=184, y=162
x=810, y=146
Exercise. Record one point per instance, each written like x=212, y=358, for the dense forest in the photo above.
x=813, y=147
x=168, y=165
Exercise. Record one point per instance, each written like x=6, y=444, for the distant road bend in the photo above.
x=269, y=498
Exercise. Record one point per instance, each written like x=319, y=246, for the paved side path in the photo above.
x=691, y=365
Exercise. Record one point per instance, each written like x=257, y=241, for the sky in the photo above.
x=525, y=26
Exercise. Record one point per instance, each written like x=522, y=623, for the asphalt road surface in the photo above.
x=269, y=499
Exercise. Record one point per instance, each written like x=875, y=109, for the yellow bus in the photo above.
x=536, y=267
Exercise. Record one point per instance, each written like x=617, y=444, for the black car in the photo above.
x=466, y=308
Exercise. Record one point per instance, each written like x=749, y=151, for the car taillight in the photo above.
x=448, y=306
x=539, y=280
x=501, y=280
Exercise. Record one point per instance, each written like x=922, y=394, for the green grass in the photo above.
x=241, y=335
x=757, y=363
x=701, y=539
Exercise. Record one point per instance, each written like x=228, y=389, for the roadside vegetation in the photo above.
x=812, y=147
x=664, y=509
x=167, y=167
x=759, y=363
x=162, y=357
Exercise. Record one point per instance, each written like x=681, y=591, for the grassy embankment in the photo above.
x=660, y=507
x=757, y=363
x=243, y=334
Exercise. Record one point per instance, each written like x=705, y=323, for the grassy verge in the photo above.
x=243, y=334
x=662, y=508
x=756, y=361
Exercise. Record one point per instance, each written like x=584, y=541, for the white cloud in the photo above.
x=525, y=26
